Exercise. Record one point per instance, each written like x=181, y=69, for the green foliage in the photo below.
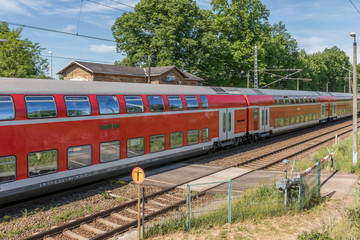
x=73, y=214
x=315, y=235
x=216, y=44
x=19, y=58
x=326, y=66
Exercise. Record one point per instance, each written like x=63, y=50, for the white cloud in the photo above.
x=22, y=7
x=102, y=48
x=69, y=28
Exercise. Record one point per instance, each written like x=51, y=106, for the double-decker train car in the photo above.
x=56, y=134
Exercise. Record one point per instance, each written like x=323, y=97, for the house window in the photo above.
x=170, y=78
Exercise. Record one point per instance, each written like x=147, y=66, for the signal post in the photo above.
x=138, y=176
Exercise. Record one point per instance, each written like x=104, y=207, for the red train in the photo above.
x=56, y=134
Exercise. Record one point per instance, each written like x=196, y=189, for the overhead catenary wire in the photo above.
x=57, y=31
x=122, y=3
x=354, y=6
x=101, y=4
x=76, y=59
x=78, y=23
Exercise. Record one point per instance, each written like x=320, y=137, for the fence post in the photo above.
x=319, y=170
x=301, y=191
x=230, y=196
x=188, y=197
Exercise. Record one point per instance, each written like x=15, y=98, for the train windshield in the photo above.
x=7, y=111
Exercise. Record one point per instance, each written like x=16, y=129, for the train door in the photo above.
x=264, y=123
x=226, y=124
x=334, y=110
x=322, y=111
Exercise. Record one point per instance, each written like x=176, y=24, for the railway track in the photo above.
x=121, y=218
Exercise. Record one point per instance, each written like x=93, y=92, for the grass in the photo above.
x=342, y=158
x=254, y=204
x=75, y=213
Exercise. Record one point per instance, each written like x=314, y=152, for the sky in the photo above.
x=315, y=25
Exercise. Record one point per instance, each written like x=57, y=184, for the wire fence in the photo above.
x=201, y=208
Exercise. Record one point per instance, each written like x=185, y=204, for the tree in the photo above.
x=327, y=66
x=19, y=58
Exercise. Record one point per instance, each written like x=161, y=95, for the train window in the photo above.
x=7, y=169
x=301, y=100
x=205, y=134
x=286, y=99
x=275, y=100
x=310, y=99
x=157, y=143
x=310, y=116
x=40, y=106
x=292, y=120
x=134, y=104
x=156, y=103
x=281, y=100
x=276, y=122
x=302, y=118
x=79, y=156
x=287, y=121
x=314, y=116
x=175, y=103
x=317, y=115
x=306, y=100
x=77, y=106
x=135, y=147
x=256, y=113
x=292, y=100
x=176, y=140
x=281, y=122
x=7, y=110
x=297, y=119
x=40, y=163
x=191, y=102
x=109, y=151
x=306, y=117
x=296, y=99
x=224, y=122
x=204, y=102
x=108, y=104
x=192, y=137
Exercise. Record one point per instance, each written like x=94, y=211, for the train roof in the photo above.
x=52, y=86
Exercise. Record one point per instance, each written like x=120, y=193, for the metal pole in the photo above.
x=188, y=195
x=319, y=170
x=301, y=192
x=143, y=213
x=139, y=229
x=355, y=135
x=230, y=196
x=248, y=80
x=256, y=70
x=297, y=84
x=349, y=82
x=149, y=65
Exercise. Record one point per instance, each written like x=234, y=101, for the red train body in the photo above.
x=56, y=134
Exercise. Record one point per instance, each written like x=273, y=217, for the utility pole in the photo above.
x=349, y=82
x=51, y=66
x=327, y=86
x=355, y=135
x=256, y=70
x=248, y=78
x=149, y=65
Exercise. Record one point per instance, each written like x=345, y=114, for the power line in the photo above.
x=122, y=3
x=75, y=59
x=107, y=6
x=354, y=6
x=57, y=31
